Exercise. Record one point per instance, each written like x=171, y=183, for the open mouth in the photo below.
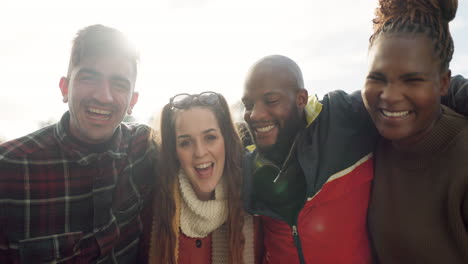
x=204, y=169
x=99, y=114
x=264, y=129
x=395, y=114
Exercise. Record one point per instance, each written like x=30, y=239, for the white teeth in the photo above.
x=99, y=111
x=264, y=129
x=203, y=165
x=395, y=114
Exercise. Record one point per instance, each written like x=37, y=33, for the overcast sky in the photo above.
x=187, y=46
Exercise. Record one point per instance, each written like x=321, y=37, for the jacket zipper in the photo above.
x=297, y=242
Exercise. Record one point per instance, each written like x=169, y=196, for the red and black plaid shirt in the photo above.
x=61, y=202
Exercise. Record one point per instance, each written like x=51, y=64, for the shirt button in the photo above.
x=198, y=243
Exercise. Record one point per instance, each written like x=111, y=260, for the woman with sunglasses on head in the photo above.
x=198, y=216
x=419, y=204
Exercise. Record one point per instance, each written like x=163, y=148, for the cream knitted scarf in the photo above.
x=200, y=218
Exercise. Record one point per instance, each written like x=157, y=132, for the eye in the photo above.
x=376, y=78
x=248, y=106
x=415, y=80
x=271, y=101
x=211, y=137
x=120, y=85
x=184, y=143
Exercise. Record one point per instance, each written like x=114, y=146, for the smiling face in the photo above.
x=403, y=87
x=99, y=93
x=273, y=107
x=200, y=149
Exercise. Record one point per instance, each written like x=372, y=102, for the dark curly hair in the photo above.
x=428, y=17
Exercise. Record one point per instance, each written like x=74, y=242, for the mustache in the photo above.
x=95, y=103
x=254, y=124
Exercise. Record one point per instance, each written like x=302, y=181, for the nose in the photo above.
x=103, y=92
x=257, y=113
x=392, y=93
x=200, y=149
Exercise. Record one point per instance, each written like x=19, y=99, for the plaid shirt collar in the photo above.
x=81, y=153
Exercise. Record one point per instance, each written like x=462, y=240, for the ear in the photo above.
x=445, y=82
x=302, y=97
x=63, y=84
x=133, y=101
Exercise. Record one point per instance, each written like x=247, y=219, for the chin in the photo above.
x=393, y=135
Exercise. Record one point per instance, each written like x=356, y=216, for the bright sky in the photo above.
x=187, y=46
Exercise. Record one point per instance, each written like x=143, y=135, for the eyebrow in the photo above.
x=411, y=74
x=270, y=94
x=88, y=71
x=209, y=130
x=203, y=132
x=376, y=73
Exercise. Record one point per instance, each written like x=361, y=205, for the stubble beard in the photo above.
x=286, y=135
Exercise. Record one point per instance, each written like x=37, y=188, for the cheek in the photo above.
x=282, y=114
x=122, y=99
x=247, y=116
x=221, y=154
x=427, y=99
x=369, y=94
x=185, y=157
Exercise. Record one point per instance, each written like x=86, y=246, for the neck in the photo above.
x=204, y=196
x=280, y=153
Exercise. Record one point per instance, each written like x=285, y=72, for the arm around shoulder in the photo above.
x=457, y=95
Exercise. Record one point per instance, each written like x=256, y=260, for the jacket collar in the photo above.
x=312, y=109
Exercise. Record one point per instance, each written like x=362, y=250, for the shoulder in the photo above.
x=458, y=80
x=140, y=139
x=40, y=141
x=457, y=125
x=455, y=121
x=135, y=129
x=343, y=110
x=136, y=134
x=343, y=100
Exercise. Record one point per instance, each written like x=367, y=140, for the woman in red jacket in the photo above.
x=198, y=216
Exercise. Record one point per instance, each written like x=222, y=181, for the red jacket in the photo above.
x=198, y=250
x=331, y=226
x=194, y=250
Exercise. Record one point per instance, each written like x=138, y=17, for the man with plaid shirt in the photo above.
x=75, y=192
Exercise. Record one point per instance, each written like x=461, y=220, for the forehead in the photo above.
x=268, y=80
x=108, y=66
x=407, y=53
x=195, y=121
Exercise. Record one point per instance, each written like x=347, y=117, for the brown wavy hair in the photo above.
x=428, y=17
x=163, y=248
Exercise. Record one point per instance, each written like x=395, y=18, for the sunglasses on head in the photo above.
x=184, y=100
